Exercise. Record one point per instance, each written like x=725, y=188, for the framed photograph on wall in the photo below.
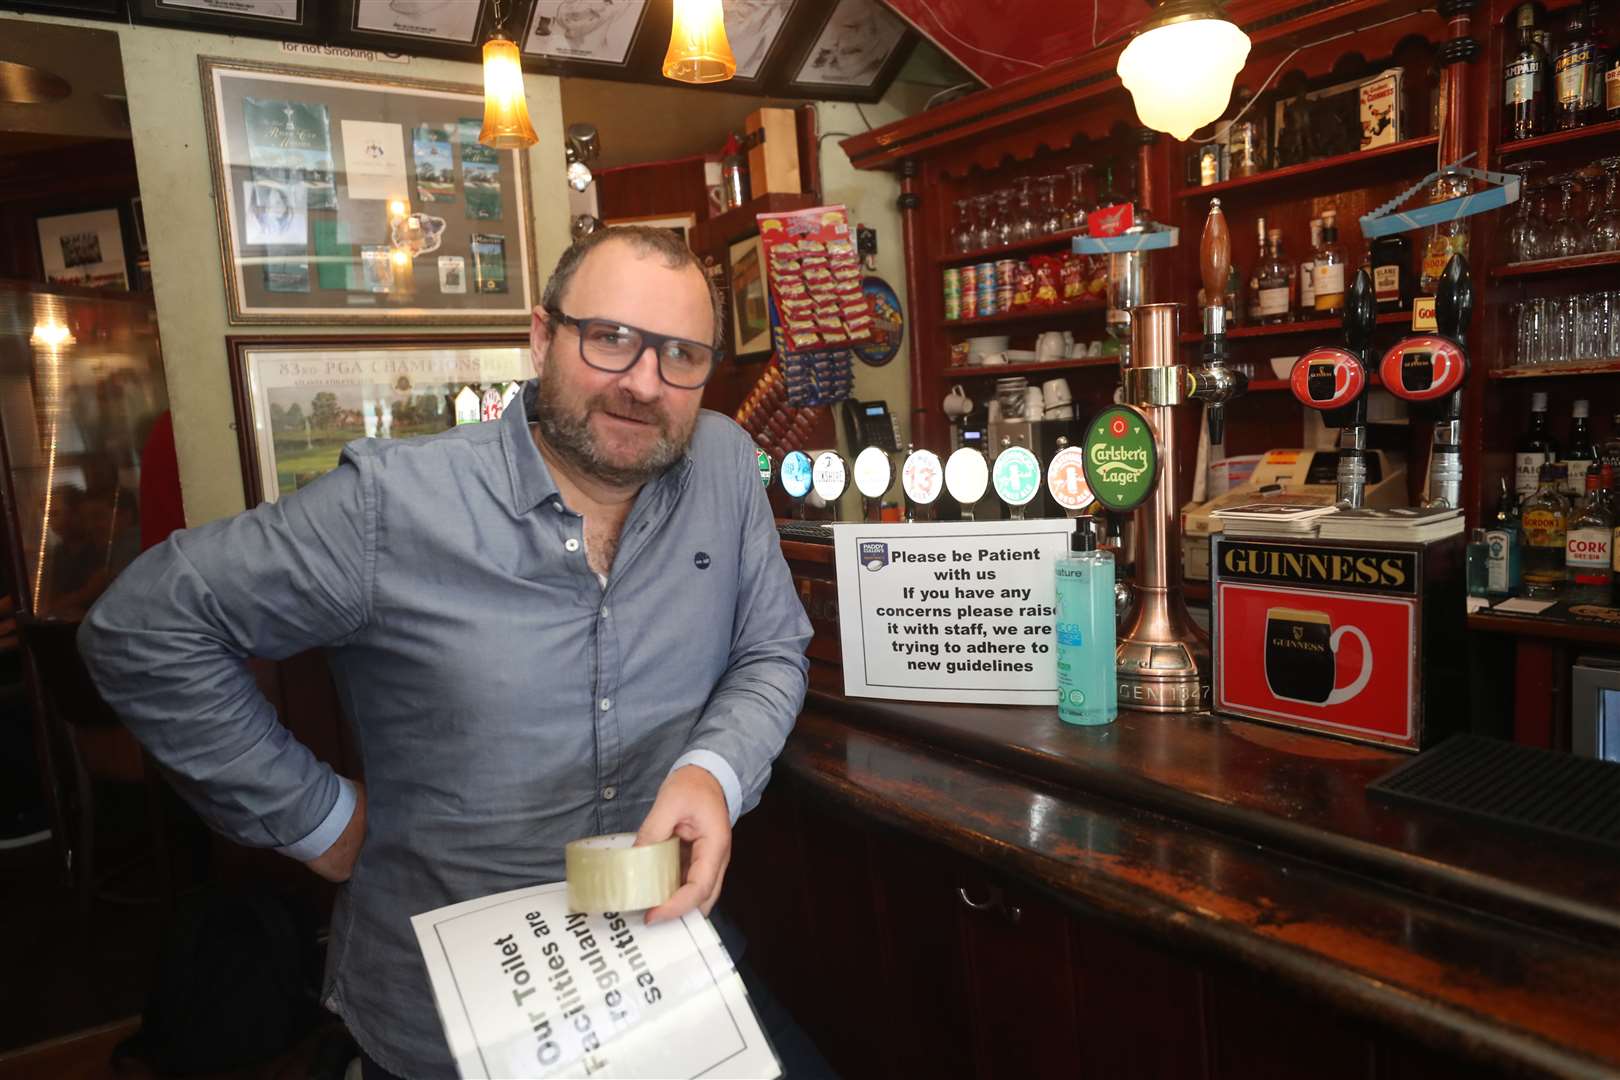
x=753, y=28
x=452, y=29
x=750, y=305
x=351, y=198
x=679, y=224
x=856, y=47
x=583, y=32
x=84, y=249
x=295, y=20
x=300, y=399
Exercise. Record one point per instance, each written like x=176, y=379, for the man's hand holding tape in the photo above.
x=692, y=806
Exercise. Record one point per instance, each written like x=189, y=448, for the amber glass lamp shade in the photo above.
x=698, y=49
x=506, y=110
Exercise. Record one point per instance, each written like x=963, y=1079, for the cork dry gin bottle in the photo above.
x=1088, y=691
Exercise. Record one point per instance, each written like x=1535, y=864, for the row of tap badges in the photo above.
x=1016, y=475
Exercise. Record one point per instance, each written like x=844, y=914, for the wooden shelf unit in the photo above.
x=1295, y=329
x=1335, y=173
x=1573, y=139
x=1051, y=242
x=977, y=371
x=1544, y=268
x=1027, y=316
x=1557, y=371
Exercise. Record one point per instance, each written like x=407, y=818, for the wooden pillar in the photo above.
x=919, y=284
x=1456, y=53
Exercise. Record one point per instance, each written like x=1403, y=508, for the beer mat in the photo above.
x=1557, y=611
x=1508, y=784
x=1274, y=512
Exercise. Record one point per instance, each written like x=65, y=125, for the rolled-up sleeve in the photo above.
x=167, y=647
x=752, y=709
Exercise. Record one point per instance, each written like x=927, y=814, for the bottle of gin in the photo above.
x=1587, y=552
x=1503, y=540
x=1534, y=450
x=1307, y=273
x=1546, y=527
x=1255, y=314
x=1329, y=269
x=1581, y=455
x=1276, y=296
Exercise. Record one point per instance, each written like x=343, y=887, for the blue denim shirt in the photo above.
x=505, y=701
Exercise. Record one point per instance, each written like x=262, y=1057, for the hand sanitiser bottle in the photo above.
x=1088, y=692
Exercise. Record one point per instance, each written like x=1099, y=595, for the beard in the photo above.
x=566, y=428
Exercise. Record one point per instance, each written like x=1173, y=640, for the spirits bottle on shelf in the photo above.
x=1504, y=541
x=1526, y=101
x=1578, y=71
x=1329, y=269
x=1582, y=455
x=1535, y=449
x=1391, y=260
x=1307, y=273
x=1609, y=453
x=1588, y=558
x=1253, y=308
x=1546, y=529
x=1276, y=299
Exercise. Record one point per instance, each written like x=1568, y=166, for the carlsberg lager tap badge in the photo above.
x=1121, y=458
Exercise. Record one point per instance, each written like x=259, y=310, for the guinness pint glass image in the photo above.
x=1301, y=652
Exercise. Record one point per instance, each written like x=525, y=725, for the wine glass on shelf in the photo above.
x=1520, y=232
x=1079, y=206
x=1604, y=226
x=1006, y=229
x=1024, y=219
x=1566, y=237
x=963, y=234
x=985, y=233
x=1050, y=218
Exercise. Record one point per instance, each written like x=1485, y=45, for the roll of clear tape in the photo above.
x=609, y=873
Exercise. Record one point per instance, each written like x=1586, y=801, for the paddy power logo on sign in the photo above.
x=1121, y=458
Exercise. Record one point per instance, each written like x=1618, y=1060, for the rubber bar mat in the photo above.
x=1571, y=796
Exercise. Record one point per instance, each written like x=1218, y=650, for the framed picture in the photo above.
x=300, y=20
x=750, y=306
x=585, y=32
x=84, y=249
x=753, y=28
x=453, y=29
x=94, y=9
x=300, y=399
x=679, y=224
x=855, y=48
x=341, y=196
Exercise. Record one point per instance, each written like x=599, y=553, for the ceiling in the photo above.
x=89, y=62
x=1000, y=40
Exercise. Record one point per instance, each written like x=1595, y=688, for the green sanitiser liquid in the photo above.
x=1088, y=691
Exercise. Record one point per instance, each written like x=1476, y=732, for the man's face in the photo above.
x=620, y=428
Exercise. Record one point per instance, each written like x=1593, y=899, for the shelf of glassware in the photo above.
x=1606, y=130
x=1555, y=267
x=1293, y=329
x=1047, y=242
x=1558, y=371
x=1345, y=170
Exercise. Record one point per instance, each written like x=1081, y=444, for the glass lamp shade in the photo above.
x=1180, y=73
x=506, y=110
x=698, y=49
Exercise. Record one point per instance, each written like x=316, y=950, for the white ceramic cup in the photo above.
x=957, y=403
x=1056, y=392
x=1059, y=412
x=1034, y=403
x=994, y=359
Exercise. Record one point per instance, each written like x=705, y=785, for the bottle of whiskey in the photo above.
x=1391, y=259
x=1535, y=449
x=1578, y=71
x=1276, y=299
x=1307, y=273
x=1503, y=543
x=1329, y=269
x=1526, y=102
x=1582, y=455
x=1588, y=558
x=1255, y=315
x=1546, y=525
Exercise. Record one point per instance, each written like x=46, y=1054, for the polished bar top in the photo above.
x=1261, y=845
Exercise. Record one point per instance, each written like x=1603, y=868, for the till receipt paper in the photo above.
x=524, y=988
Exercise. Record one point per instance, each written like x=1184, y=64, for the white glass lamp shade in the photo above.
x=1180, y=74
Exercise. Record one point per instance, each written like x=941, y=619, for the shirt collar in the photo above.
x=532, y=483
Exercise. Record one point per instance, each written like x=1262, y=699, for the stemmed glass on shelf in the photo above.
x=964, y=234
x=1074, y=214
x=985, y=233
x=1050, y=217
x=1024, y=222
x=1565, y=238
x=1603, y=229
x=1521, y=232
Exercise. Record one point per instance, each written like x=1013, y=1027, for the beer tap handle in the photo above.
x=1215, y=255
x=1360, y=316
x=1454, y=302
x=1212, y=381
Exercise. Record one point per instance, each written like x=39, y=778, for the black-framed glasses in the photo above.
x=610, y=345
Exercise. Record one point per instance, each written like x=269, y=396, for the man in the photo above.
x=574, y=621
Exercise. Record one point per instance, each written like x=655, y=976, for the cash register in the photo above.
x=1294, y=476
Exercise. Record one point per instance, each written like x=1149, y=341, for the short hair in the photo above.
x=646, y=240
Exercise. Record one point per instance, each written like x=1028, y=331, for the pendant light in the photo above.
x=506, y=110
x=1179, y=67
x=698, y=49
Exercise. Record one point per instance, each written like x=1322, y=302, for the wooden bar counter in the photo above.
x=965, y=890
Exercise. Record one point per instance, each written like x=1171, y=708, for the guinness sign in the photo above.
x=1357, y=569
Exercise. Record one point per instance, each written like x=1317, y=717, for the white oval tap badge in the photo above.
x=831, y=475
x=1066, y=479
x=967, y=475
x=874, y=472
x=922, y=477
x=1017, y=475
x=795, y=473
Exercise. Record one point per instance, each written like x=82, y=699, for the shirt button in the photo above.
x=571, y=544
x=606, y=703
x=609, y=792
x=606, y=611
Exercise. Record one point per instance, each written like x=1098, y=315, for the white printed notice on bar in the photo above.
x=950, y=611
x=524, y=988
